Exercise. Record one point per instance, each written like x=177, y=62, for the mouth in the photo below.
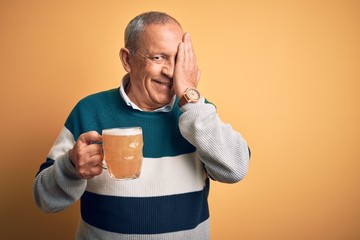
x=165, y=84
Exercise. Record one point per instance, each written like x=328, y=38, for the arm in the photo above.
x=61, y=181
x=58, y=185
x=223, y=151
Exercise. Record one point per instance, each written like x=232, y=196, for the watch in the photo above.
x=191, y=95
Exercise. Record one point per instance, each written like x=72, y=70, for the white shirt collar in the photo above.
x=167, y=108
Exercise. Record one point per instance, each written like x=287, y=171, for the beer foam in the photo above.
x=122, y=131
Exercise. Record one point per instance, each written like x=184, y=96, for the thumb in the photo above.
x=90, y=137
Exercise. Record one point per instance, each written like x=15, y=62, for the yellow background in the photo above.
x=286, y=74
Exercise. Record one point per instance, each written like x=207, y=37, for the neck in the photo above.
x=143, y=106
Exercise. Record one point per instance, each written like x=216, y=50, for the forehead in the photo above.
x=163, y=38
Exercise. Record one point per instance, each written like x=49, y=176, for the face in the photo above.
x=151, y=68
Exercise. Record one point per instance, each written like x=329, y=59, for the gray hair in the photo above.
x=137, y=25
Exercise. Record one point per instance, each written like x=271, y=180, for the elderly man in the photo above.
x=185, y=144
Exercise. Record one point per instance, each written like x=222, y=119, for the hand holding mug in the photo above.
x=86, y=156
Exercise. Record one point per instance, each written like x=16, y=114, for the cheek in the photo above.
x=153, y=70
x=146, y=72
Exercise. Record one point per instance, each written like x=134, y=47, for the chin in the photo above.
x=165, y=101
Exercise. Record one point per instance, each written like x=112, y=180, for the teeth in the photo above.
x=165, y=84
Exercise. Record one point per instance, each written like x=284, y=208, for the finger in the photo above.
x=180, y=54
x=189, y=43
x=82, y=154
x=189, y=48
x=91, y=172
x=90, y=137
x=94, y=150
x=97, y=169
x=90, y=166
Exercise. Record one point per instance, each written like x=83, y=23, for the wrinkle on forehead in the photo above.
x=160, y=38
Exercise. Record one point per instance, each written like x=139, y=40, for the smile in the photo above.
x=169, y=85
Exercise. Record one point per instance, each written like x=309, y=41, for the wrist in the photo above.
x=190, y=95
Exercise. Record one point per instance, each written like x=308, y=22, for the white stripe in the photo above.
x=86, y=231
x=159, y=177
x=64, y=142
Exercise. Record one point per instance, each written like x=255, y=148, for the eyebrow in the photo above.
x=158, y=53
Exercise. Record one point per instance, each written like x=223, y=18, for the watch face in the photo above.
x=193, y=94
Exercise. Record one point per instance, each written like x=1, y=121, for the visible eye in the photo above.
x=157, y=58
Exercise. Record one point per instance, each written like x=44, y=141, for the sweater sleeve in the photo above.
x=223, y=150
x=57, y=185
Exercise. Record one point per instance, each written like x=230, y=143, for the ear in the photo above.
x=125, y=59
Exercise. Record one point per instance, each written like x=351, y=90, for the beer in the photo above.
x=123, y=152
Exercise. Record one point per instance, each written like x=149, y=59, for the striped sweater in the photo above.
x=182, y=149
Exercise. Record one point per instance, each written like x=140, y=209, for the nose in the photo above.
x=168, y=68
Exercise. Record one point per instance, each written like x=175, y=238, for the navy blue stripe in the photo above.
x=49, y=162
x=146, y=215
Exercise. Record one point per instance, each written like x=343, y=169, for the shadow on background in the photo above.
x=21, y=218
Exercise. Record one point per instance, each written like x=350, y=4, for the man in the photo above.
x=185, y=144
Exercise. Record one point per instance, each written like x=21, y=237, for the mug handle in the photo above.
x=103, y=165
